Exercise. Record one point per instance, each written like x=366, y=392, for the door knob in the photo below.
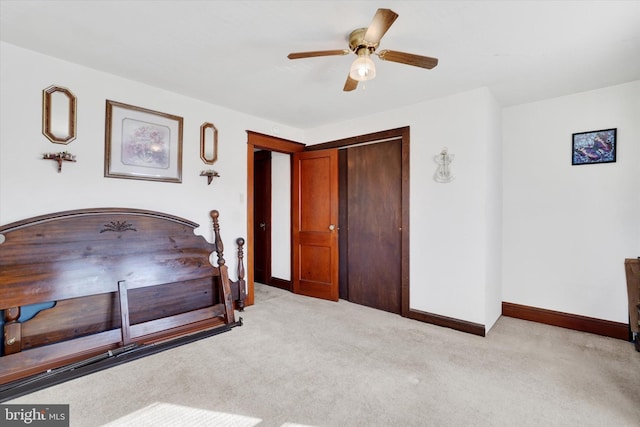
x=332, y=227
x=263, y=225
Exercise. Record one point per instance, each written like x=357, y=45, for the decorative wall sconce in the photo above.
x=209, y=174
x=58, y=114
x=60, y=157
x=443, y=172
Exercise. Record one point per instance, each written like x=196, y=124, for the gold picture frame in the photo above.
x=142, y=144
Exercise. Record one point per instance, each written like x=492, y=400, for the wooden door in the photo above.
x=262, y=216
x=373, y=237
x=315, y=224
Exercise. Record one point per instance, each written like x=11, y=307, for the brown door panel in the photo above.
x=374, y=224
x=315, y=224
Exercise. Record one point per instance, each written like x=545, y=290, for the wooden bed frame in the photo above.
x=121, y=284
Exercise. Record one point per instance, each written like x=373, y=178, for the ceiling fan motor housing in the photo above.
x=357, y=41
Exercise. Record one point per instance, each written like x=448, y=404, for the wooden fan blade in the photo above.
x=312, y=54
x=382, y=20
x=408, y=58
x=350, y=84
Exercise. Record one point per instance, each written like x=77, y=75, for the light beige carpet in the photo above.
x=303, y=361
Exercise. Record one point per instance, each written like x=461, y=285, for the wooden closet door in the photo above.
x=374, y=225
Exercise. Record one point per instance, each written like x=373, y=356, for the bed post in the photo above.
x=241, y=283
x=224, y=273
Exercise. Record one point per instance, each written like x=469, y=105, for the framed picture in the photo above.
x=142, y=144
x=598, y=146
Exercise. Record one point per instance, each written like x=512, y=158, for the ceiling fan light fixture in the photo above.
x=364, y=42
x=363, y=68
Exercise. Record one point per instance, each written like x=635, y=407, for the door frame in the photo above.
x=402, y=134
x=255, y=141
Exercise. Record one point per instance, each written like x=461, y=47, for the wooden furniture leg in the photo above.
x=12, y=331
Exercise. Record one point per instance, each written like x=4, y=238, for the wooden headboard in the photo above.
x=116, y=280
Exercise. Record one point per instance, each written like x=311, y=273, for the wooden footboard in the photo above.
x=114, y=280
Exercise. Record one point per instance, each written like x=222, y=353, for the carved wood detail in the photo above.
x=118, y=226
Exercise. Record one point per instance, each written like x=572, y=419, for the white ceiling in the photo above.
x=234, y=53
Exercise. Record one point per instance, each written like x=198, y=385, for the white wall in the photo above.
x=567, y=229
x=31, y=186
x=493, y=208
x=453, y=254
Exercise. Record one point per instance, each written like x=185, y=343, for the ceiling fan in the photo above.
x=364, y=42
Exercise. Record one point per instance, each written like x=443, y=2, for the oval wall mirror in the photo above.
x=208, y=143
x=59, y=114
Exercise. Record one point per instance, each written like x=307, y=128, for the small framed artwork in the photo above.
x=142, y=144
x=598, y=146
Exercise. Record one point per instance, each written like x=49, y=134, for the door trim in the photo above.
x=255, y=141
x=398, y=133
